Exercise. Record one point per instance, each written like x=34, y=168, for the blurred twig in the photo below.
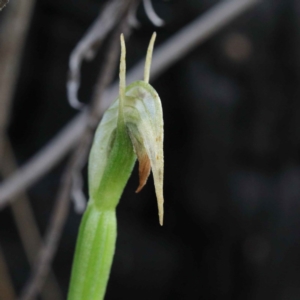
x=3, y=3
x=87, y=46
x=12, y=37
x=6, y=288
x=167, y=54
x=27, y=227
x=153, y=17
x=76, y=162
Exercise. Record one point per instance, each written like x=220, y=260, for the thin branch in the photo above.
x=3, y=3
x=41, y=163
x=87, y=46
x=78, y=159
x=12, y=38
x=166, y=55
x=27, y=227
x=153, y=17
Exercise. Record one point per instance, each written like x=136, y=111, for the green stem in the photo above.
x=98, y=230
x=93, y=255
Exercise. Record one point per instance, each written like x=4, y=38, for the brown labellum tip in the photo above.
x=144, y=170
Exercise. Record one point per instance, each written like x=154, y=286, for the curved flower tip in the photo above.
x=161, y=216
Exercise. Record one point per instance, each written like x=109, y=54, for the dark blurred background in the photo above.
x=232, y=164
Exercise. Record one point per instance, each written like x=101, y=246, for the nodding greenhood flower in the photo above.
x=131, y=128
x=137, y=113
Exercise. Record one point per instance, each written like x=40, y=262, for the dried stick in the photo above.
x=166, y=55
x=75, y=165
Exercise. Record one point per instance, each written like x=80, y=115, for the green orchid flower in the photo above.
x=132, y=128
